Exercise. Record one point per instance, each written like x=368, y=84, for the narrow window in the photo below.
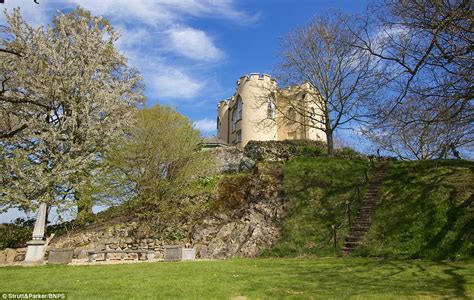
x=234, y=119
x=238, y=136
x=271, y=107
x=291, y=115
x=239, y=108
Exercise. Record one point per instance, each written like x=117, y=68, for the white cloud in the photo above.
x=159, y=12
x=205, y=125
x=155, y=37
x=194, y=44
x=173, y=84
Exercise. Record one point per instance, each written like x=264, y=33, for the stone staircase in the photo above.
x=363, y=220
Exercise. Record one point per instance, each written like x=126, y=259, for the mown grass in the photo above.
x=426, y=211
x=317, y=190
x=322, y=278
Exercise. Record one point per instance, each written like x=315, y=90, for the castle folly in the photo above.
x=259, y=111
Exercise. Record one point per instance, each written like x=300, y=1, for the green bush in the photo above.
x=16, y=235
x=349, y=153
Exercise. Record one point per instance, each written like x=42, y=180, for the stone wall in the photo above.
x=115, y=237
x=281, y=151
x=245, y=229
x=249, y=229
x=9, y=256
x=230, y=160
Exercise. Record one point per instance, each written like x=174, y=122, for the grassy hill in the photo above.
x=426, y=209
x=317, y=190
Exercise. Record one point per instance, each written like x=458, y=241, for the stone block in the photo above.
x=172, y=253
x=60, y=256
x=188, y=254
x=10, y=255
x=3, y=257
x=80, y=253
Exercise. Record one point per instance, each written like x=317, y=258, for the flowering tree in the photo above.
x=66, y=95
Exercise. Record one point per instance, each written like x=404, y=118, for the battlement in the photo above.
x=256, y=77
x=223, y=103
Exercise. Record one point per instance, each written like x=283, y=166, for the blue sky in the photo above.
x=191, y=52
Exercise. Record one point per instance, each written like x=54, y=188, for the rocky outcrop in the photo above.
x=249, y=229
x=229, y=159
x=281, y=151
x=10, y=256
x=244, y=218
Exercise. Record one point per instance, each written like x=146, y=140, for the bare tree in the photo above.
x=419, y=139
x=339, y=77
x=425, y=49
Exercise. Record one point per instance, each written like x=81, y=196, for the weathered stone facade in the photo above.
x=229, y=159
x=281, y=151
x=244, y=231
x=250, y=229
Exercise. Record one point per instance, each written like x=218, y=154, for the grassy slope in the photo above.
x=427, y=210
x=325, y=278
x=317, y=189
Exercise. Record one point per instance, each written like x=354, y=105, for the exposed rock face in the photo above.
x=229, y=159
x=3, y=257
x=250, y=229
x=281, y=151
x=10, y=255
x=246, y=218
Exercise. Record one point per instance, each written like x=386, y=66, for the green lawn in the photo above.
x=306, y=278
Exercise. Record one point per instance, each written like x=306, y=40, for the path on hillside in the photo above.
x=364, y=217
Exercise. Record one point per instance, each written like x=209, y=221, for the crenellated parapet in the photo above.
x=256, y=77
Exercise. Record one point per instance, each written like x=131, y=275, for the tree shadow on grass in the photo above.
x=349, y=278
x=421, y=214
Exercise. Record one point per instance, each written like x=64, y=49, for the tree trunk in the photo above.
x=330, y=142
x=84, y=204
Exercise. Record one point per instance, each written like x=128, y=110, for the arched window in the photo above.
x=291, y=115
x=234, y=119
x=239, y=108
x=271, y=107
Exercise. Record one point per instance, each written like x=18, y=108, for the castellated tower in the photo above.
x=252, y=114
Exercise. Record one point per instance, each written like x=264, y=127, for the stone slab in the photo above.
x=172, y=253
x=60, y=256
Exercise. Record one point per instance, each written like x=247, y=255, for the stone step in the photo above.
x=346, y=251
x=356, y=234
x=361, y=222
x=351, y=244
x=352, y=238
x=365, y=213
x=360, y=227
